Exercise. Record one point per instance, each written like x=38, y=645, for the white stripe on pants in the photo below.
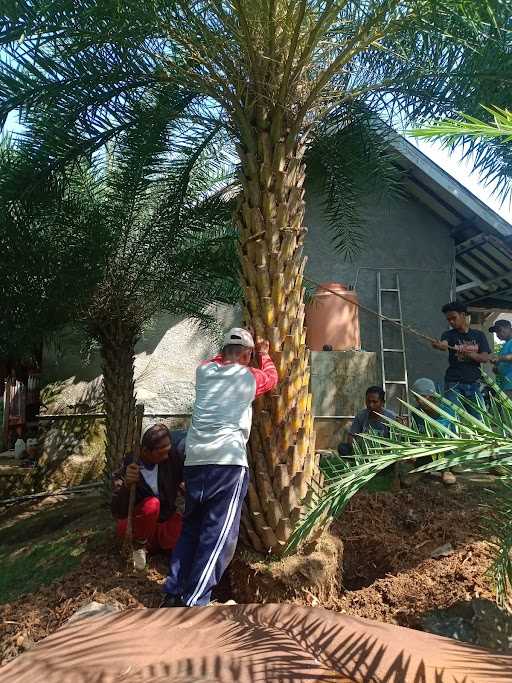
x=207, y=571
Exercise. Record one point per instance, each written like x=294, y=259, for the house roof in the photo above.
x=483, y=240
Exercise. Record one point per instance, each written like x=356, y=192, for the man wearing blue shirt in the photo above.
x=503, y=359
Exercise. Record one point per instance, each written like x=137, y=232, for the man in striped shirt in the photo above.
x=216, y=468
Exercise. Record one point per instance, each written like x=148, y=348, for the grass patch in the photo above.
x=380, y=482
x=58, y=517
x=38, y=549
x=28, y=568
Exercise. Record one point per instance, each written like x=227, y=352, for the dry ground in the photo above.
x=58, y=555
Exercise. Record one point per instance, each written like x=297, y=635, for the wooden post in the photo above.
x=139, y=414
x=7, y=405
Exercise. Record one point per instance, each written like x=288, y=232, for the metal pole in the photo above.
x=49, y=494
x=101, y=416
x=333, y=417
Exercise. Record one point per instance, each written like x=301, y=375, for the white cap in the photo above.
x=238, y=336
x=424, y=387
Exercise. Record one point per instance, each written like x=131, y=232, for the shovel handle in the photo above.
x=139, y=414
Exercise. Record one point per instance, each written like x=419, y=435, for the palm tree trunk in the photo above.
x=118, y=354
x=282, y=444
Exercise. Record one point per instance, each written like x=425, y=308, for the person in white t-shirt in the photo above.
x=216, y=469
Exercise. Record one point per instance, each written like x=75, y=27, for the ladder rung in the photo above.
x=387, y=289
x=398, y=381
x=394, y=350
x=394, y=320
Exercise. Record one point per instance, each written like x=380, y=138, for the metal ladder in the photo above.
x=402, y=382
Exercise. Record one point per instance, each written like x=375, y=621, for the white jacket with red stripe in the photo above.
x=222, y=417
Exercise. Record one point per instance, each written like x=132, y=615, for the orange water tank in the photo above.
x=332, y=320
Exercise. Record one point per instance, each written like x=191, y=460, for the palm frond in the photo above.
x=351, y=159
x=450, y=130
x=471, y=442
x=486, y=143
x=498, y=523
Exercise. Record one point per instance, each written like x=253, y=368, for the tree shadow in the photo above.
x=261, y=644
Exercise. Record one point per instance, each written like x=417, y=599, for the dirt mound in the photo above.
x=434, y=584
x=388, y=541
x=312, y=575
x=387, y=533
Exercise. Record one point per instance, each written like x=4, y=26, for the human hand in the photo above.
x=132, y=474
x=262, y=345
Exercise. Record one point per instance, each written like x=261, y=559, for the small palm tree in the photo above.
x=469, y=442
x=46, y=262
x=156, y=208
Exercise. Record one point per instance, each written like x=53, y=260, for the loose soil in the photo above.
x=388, y=572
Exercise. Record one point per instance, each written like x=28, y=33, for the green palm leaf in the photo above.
x=470, y=442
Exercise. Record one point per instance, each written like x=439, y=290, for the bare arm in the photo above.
x=479, y=357
x=495, y=358
x=440, y=345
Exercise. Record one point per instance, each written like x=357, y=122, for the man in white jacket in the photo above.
x=216, y=469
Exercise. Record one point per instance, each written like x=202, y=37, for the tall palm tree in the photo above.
x=160, y=239
x=268, y=70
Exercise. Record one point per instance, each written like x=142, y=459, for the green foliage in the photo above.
x=27, y=569
x=53, y=250
x=487, y=142
x=450, y=130
x=82, y=73
x=471, y=442
x=140, y=228
x=498, y=346
x=498, y=522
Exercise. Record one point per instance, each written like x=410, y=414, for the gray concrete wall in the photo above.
x=405, y=238
x=339, y=380
x=402, y=237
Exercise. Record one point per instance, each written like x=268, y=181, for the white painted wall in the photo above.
x=165, y=363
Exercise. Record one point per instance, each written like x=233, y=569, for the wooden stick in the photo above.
x=139, y=414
